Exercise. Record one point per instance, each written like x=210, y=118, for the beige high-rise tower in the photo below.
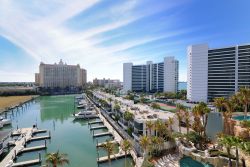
x=60, y=75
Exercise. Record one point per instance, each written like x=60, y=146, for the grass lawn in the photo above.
x=10, y=101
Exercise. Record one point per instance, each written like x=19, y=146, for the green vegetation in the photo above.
x=155, y=106
x=109, y=147
x=56, y=159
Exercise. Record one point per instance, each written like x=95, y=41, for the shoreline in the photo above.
x=7, y=102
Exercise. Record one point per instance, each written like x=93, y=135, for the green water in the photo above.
x=69, y=136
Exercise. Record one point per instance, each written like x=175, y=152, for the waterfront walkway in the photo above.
x=114, y=129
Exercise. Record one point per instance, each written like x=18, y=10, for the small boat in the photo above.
x=4, y=121
x=83, y=106
x=86, y=114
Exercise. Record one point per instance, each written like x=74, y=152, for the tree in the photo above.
x=237, y=142
x=126, y=147
x=155, y=106
x=109, y=147
x=144, y=143
x=128, y=116
x=170, y=124
x=56, y=159
x=187, y=120
x=244, y=98
x=218, y=102
x=227, y=142
x=179, y=114
x=149, y=126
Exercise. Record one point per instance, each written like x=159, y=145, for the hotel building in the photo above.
x=217, y=72
x=151, y=77
x=60, y=75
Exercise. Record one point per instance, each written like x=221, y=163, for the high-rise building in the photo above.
x=217, y=72
x=60, y=75
x=107, y=83
x=151, y=77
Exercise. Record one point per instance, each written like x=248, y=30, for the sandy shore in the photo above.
x=11, y=101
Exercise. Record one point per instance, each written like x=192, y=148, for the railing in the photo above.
x=122, y=133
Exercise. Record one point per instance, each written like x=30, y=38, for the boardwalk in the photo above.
x=114, y=156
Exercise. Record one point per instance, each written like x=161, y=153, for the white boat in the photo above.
x=85, y=114
x=4, y=121
x=82, y=106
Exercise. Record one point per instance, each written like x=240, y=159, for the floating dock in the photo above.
x=102, y=134
x=35, y=148
x=27, y=163
x=95, y=122
x=114, y=156
x=98, y=127
x=39, y=138
x=25, y=136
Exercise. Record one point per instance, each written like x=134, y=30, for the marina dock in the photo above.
x=114, y=156
x=39, y=138
x=102, y=134
x=98, y=127
x=100, y=144
x=95, y=122
x=35, y=131
x=27, y=163
x=35, y=148
x=25, y=136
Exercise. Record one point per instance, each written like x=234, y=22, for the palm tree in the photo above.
x=218, y=102
x=144, y=143
x=187, y=120
x=179, y=114
x=237, y=142
x=150, y=126
x=109, y=147
x=170, y=124
x=160, y=128
x=230, y=107
x=244, y=98
x=227, y=142
x=56, y=159
x=126, y=147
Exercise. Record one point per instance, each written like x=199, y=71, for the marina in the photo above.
x=53, y=117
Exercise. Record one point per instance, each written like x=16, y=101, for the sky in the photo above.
x=101, y=35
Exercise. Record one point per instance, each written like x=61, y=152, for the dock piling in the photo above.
x=39, y=157
x=45, y=143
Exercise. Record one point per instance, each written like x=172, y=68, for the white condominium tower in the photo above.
x=217, y=72
x=151, y=77
x=60, y=75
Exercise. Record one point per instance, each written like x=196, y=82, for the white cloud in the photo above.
x=42, y=34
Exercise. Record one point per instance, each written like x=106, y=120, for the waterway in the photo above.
x=69, y=136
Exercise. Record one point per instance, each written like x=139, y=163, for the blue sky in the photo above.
x=102, y=35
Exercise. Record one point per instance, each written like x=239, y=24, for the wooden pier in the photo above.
x=114, y=156
x=102, y=134
x=19, y=132
x=100, y=144
x=98, y=127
